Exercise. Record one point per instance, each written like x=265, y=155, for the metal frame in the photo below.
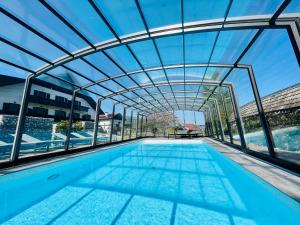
x=123, y=123
x=112, y=123
x=290, y=24
x=96, y=123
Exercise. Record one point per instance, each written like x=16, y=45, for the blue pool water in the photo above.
x=150, y=183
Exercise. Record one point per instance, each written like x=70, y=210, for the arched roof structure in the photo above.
x=147, y=54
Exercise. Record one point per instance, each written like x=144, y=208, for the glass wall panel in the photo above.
x=83, y=120
x=254, y=135
x=133, y=126
x=11, y=91
x=226, y=112
x=47, y=118
x=231, y=117
x=105, y=119
x=117, y=123
x=278, y=81
x=127, y=124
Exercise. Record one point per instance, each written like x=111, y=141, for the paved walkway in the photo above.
x=283, y=180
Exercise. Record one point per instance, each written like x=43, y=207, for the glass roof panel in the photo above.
x=103, y=63
x=204, y=10
x=19, y=35
x=111, y=85
x=165, y=88
x=157, y=76
x=90, y=26
x=52, y=80
x=175, y=74
x=122, y=15
x=85, y=69
x=141, y=78
x=125, y=81
x=161, y=13
x=293, y=7
x=12, y=71
x=37, y=16
x=67, y=75
x=170, y=49
x=18, y=57
x=99, y=90
x=215, y=73
x=198, y=47
x=194, y=73
x=123, y=57
x=230, y=45
x=250, y=7
x=146, y=53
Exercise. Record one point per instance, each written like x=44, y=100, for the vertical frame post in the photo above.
x=261, y=113
x=123, y=123
x=21, y=120
x=130, y=131
x=142, y=120
x=69, y=130
x=112, y=123
x=146, y=125
x=96, y=123
x=237, y=114
x=137, y=125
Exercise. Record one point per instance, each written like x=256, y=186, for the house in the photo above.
x=105, y=121
x=46, y=100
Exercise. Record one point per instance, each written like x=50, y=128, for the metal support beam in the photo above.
x=130, y=131
x=123, y=123
x=261, y=113
x=112, y=123
x=137, y=125
x=69, y=130
x=294, y=34
x=96, y=123
x=142, y=119
x=21, y=120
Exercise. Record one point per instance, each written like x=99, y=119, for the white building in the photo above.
x=105, y=121
x=46, y=100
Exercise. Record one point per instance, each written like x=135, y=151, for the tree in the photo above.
x=162, y=122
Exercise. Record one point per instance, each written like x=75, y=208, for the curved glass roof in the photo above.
x=148, y=54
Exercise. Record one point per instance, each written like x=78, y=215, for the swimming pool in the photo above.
x=146, y=182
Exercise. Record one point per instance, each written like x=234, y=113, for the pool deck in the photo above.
x=280, y=178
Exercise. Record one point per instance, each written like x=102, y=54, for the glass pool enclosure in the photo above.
x=78, y=75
